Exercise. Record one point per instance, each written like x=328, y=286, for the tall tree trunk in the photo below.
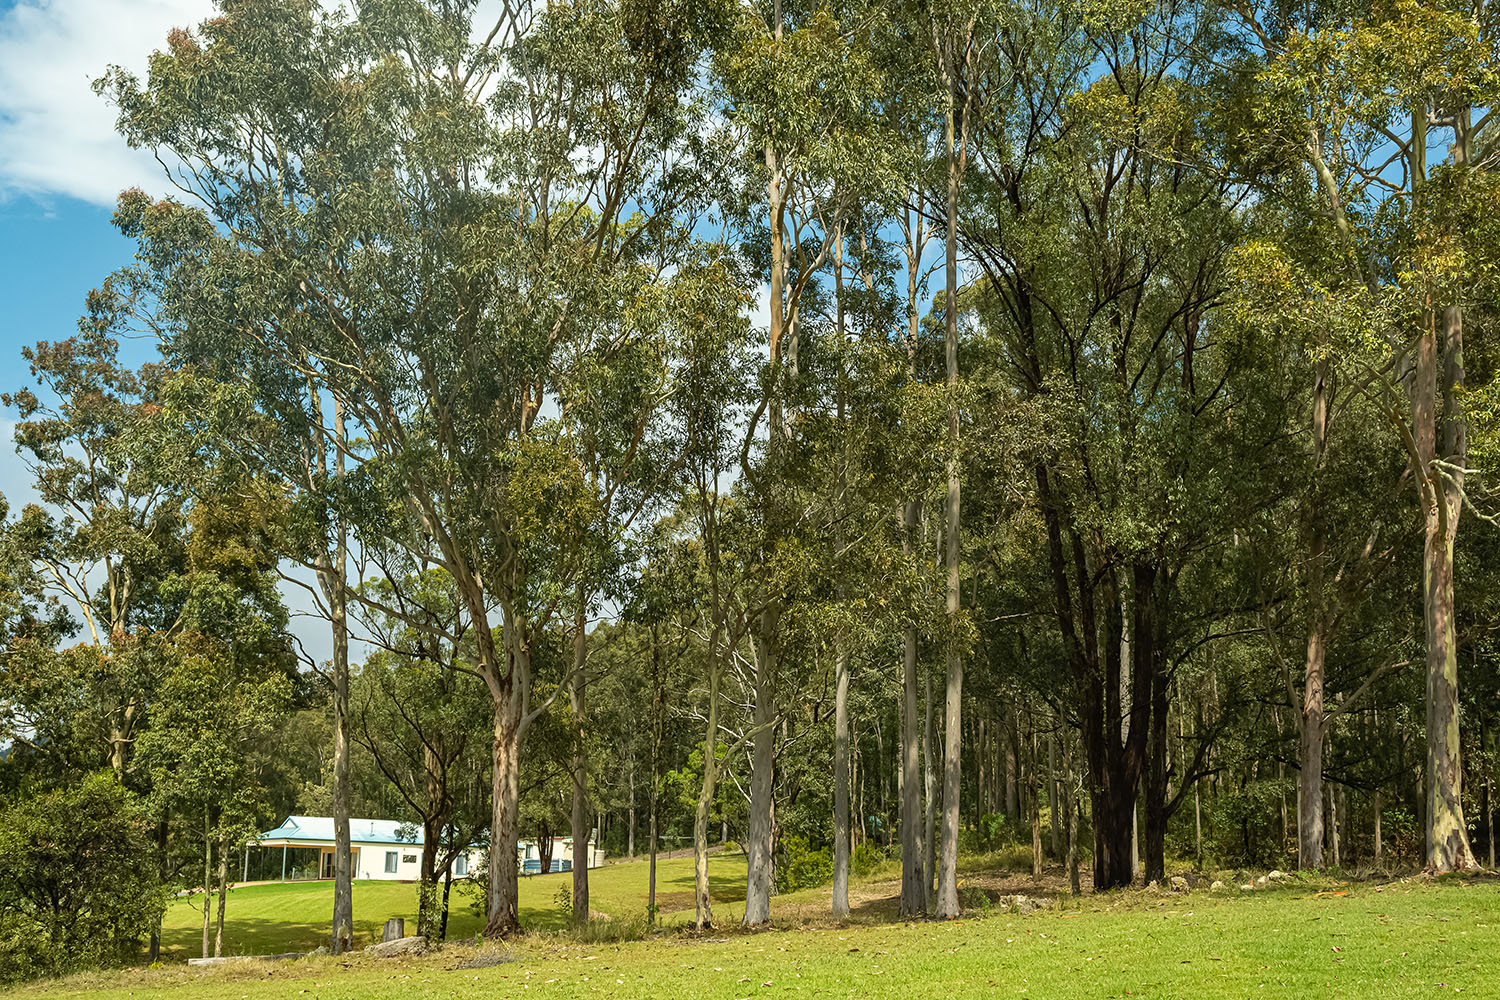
x=705, y=911
x=913, y=879
x=223, y=891
x=1070, y=807
x=930, y=787
x=947, y=896
x=758, y=838
x=1439, y=358
x=630, y=815
x=427, y=894
x=841, y=780
x=580, y=818
x=1035, y=801
x=1310, y=775
x=1333, y=824
x=447, y=891
x=208, y=877
x=1054, y=821
x=503, y=916
x=343, y=877
x=163, y=870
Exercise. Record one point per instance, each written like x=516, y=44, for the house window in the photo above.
x=408, y=859
x=390, y=862
x=461, y=866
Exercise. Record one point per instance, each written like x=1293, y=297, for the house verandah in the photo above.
x=302, y=849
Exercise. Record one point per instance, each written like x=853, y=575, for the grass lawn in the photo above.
x=1364, y=940
x=294, y=916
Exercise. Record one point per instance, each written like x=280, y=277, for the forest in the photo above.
x=837, y=432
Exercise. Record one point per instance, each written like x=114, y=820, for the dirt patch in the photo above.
x=672, y=902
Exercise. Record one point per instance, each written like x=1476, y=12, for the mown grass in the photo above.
x=1398, y=940
x=295, y=916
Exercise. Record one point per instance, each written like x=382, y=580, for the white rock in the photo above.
x=398, y=947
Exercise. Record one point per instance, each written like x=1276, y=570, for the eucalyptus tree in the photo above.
x=1109, y=347
x=1356, y=97
x=421, y=715
x=382, y=215
x=813, y=165
x=101, y=550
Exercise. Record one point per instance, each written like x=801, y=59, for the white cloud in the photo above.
x=56, y=135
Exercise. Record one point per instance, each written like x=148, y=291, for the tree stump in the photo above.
x=395, y=929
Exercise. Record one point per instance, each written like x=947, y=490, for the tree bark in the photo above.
x=758, y=836
x=1310, y=775
x=1439, y=357
x=343, y=885
x=630, y=814
x=841, y=781
x=581, y=822
x=913, y=881
x=503, y=917
x=1054, y=817
x=947, y=896
x=208, y=878
x=704, y=906
x=223, y=891
x=930, y=785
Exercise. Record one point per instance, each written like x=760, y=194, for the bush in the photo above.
x=802, y=867
x=78, y=884
x=865, y=859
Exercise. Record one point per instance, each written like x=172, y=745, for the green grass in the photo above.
x=1392, y=940
x=295, y=916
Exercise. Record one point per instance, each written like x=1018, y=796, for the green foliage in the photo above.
x=801, y=867
x=865, y=859
x=78, y=886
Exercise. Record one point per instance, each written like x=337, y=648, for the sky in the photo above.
x=61, y=167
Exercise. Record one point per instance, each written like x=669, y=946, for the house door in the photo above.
x=327, y=863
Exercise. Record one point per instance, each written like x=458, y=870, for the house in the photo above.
x=381, y=849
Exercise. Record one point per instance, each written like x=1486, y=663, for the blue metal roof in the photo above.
x=361, y=831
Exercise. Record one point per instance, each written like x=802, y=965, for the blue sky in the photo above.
x=61, y=166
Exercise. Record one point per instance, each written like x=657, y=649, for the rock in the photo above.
x=1179, y=884
x=398, y=947
x=395, y=928
x=1021, y=904
x=1277, y=875
x=285, y=956
x=1247, y=887
x=1261, y=880
x=1216, y=887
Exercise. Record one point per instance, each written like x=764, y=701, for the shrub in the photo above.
x=802, y=867
x=78, y=883
x=865, y=859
